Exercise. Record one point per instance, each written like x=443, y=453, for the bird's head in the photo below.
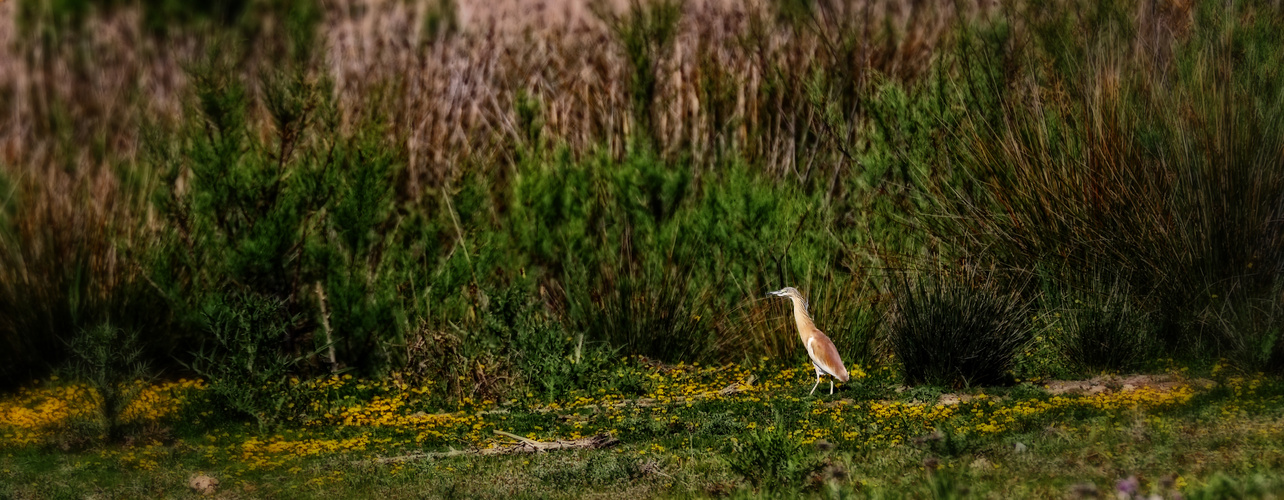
x=790, y=292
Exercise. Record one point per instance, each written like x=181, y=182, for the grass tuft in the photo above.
x=958, y=329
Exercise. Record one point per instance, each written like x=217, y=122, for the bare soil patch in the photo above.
x=1115, y=383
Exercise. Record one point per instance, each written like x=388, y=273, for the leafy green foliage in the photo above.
x=295, y=211
x=358, y=250
x=552, y=361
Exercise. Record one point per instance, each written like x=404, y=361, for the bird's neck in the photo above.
x=805, y=324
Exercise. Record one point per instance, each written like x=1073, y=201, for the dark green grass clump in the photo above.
x=1103, y=328
x=958, y=330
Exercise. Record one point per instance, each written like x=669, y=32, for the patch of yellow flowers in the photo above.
x=997, y=419
x=390, y=417
x=32, y=415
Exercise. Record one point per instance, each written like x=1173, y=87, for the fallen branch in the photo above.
x=523, y=445
x=734, y=388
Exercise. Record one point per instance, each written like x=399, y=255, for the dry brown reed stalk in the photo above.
x=69, y=128
x=735, y=79
x=64, y=265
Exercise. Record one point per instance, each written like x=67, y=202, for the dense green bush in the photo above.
x=248, y=371
x=293, y=210
x=958, y=328
x=551, y=360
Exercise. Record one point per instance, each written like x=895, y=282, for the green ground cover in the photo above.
x=682, y=431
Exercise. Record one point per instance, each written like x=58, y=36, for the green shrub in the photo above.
x=1103, y=327
x=293, y=209
x=242, y=359
x=240, y=208
x=111, y=362
x=552, y=361
x=958, y=329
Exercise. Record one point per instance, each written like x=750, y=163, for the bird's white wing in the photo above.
x=825, y=355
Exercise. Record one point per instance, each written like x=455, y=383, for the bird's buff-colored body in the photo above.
x=824, y=356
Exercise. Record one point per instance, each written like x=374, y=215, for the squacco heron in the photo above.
x=824, y=356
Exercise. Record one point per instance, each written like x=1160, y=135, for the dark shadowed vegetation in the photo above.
x=263, y=190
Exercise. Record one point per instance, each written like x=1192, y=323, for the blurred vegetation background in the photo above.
x=515, y=197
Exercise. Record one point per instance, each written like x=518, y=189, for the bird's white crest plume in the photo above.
x=823, y=354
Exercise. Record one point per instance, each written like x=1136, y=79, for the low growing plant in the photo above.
x=551, y=360
x=1102, y=326
x=244, y=358
x=110, y=361
x=773, y=458
x=958, y=329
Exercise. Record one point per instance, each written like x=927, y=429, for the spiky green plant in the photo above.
x=958, y=328
x=1102, y=325
x=242, y=359
x=111, y=361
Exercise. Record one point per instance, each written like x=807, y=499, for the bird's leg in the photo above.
x=831, y=387
x=819, y=374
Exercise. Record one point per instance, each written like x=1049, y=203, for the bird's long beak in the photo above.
x=777, y=293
